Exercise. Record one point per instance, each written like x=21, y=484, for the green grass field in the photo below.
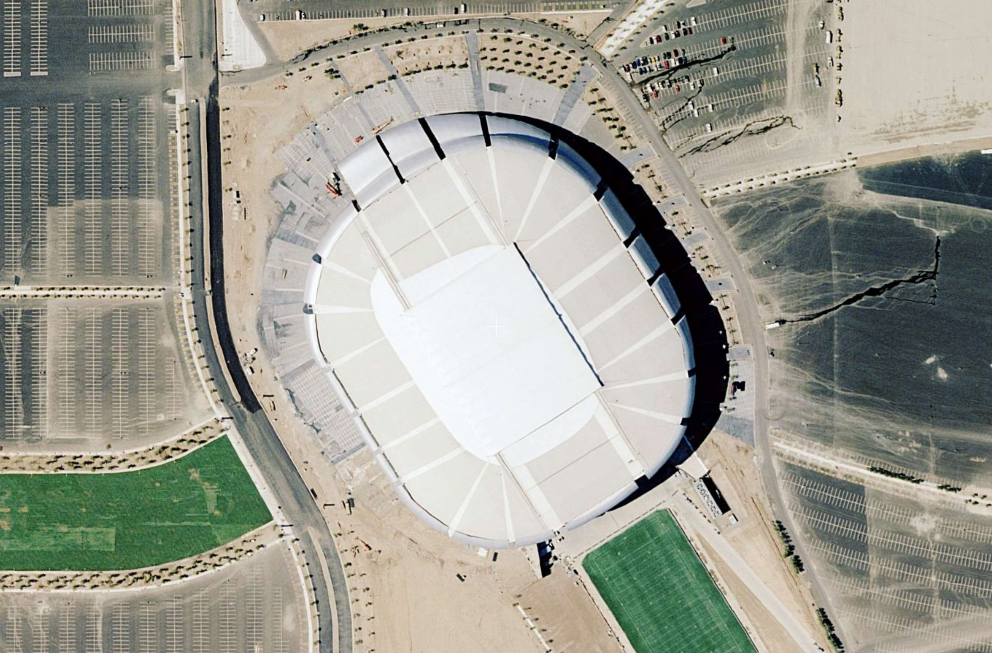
x=128, y=520
x=661, y=593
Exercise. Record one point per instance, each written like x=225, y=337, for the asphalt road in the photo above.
x=261, y=440
x=745, y=301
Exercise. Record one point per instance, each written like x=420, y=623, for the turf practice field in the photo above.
x=129, y=519
x=661, y=593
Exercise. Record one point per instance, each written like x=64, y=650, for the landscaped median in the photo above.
x=128, y=520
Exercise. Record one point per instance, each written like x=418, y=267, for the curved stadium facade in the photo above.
x=510, y=351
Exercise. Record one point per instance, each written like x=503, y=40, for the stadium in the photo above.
x=500, y=330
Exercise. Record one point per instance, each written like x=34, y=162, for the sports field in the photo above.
x=661, y=593
x=130, y=519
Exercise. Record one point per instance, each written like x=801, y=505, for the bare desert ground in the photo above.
x=923, y=79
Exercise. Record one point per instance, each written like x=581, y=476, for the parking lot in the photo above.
x=330, y=9
x=255, y=605
x=87, y=199
x=106, y=223
x=729, y=81
x=912, y=553
x=87, y=372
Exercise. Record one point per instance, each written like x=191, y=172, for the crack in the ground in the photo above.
x=877, y=291
x=668, y=72
x=670, y=120
x=754, y=128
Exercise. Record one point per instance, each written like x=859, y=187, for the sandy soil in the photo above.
x=923, y=79
x=567, y=616
x=362, y=70
x=919, y=151
x=259, y=121
x=732, y=468
x=417, y=589
x=525, y=56
x=424, y=55
x=290, y=37
x=578, y=24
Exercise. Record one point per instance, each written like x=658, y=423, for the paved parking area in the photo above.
x=735, y=83
x=253, y=605
x=106, y=223
x=88, y=198
x=330, y=9
x=87, y=372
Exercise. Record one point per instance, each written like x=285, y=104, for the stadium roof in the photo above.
x=509, y=348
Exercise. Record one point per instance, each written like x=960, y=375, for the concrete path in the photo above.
x=804, y=641
x=407, y=95
x=574, y=92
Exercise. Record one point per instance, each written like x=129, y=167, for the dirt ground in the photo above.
x=579, y=24
x=282, y=106
x=424, y=55
x=732, y=468
x=566, y=616
x=363, y=70
x=922, y=79
x=288, y=38
x=291, y=37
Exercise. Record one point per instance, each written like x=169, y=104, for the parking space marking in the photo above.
x=120, y=188
x=744, y=14
x=254, y=612
x=104, y=62
x=147, y=368
x=128, y=33
x=201, y=623
x=66, y=187
x=119, y=365
x=118, y=8
x=121, y=636
x=38, y=398
x=93, y=639
x=174, y=631
x=12, y=189
x=38, y=179
x=11, y=38
x=13, y=414
x=67, y=626
x=93, y=372
x=276, y=615
x=147, y=244
x=147, y=631
x=14, y=627
x=93, y=188
x=65, y=380
x=310, y=13
x=39, y=38
x=227, y=620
